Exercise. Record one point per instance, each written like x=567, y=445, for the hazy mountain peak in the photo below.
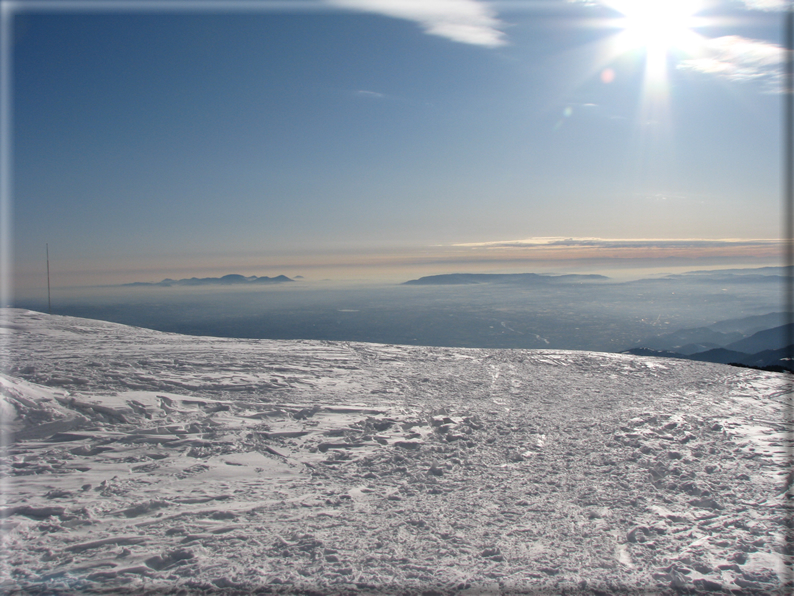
x=230, y=279
x=502, y=278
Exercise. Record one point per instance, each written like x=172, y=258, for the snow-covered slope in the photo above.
x=137, y=460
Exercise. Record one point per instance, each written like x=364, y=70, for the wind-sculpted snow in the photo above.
x=140, y=461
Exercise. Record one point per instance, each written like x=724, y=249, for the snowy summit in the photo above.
x=141, y=461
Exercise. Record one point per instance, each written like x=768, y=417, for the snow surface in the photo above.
x=141, y=461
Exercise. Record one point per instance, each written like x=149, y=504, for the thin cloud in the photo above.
x=739, y=59
x=372, y=94
x=621, y=243
x=464, y=21
x=765, y=4
x=620, y=250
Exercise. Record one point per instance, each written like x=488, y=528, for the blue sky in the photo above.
x=389, y=138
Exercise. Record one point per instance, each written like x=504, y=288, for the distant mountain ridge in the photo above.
x=768, y=271
x=450, y=279
x=765, y=359
x=733, y=334
x=226, y=280
x=763, y=348
x=768, y=339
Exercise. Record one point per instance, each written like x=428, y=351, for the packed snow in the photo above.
x=135, y=460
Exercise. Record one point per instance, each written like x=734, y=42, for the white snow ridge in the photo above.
x=153, y=463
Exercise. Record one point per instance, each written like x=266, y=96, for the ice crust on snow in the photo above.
x=136, y=460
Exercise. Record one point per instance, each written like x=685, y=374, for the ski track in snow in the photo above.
x=145, y=461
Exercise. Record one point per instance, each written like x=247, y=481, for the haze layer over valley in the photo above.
x=564, y=312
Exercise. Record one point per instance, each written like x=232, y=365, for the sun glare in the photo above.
x=657, y=24
x=657, y=27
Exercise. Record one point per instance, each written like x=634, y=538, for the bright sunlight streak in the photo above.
x=657, y=32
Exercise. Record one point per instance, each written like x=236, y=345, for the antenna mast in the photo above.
x=788, y=202
x=49, y=302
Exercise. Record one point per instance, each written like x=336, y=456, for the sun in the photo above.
x=658, y=26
